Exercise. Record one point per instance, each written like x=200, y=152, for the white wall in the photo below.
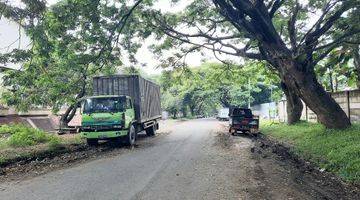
x=265, y=110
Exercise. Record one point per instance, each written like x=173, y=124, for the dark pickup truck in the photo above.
x=242, y=119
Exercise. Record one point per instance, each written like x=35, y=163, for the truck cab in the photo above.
x=108, y=117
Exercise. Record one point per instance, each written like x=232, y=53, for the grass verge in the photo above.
x=336, y=151
x=20, y=142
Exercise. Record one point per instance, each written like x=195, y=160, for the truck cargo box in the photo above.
x=145, y=94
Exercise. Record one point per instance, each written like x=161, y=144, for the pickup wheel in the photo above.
x=131, y=136
x=151, y=131
x=92, y=142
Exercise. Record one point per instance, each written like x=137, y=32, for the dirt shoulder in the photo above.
x=273, y=172
x=306, y=176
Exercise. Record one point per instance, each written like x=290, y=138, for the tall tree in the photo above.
x=71, y=42
x=275, y=31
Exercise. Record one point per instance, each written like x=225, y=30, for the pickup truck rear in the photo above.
x=242, y=119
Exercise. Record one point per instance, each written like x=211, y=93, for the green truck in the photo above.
x=120, y=108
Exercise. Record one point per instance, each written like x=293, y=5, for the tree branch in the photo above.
x=339, y=40
x=119, y=25
x=275, y=6
x=292, y=28
x=319, y=31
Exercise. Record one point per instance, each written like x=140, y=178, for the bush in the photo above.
x=11, y=129
x=21, y=136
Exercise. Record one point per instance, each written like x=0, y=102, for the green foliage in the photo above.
x=336, y=72
x=335, y=150
x=54, y=142
x=72, y=41
x=10, y=129
x=202, y=90
x=171, y=102
x=21, y=136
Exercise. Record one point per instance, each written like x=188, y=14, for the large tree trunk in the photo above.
x=300, y=76
x=253, y=18
x=68, y=116
x=71, y=110
x=328, y=111
x=294, y=105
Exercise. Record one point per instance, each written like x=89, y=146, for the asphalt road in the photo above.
x=190, y=162
x=169, y=168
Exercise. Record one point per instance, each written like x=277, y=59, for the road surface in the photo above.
x=190, y=162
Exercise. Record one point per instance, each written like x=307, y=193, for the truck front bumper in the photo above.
x=104, y=134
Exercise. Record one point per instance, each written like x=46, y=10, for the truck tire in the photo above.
x=131, y=136
x=151, y=131
x=92, y=142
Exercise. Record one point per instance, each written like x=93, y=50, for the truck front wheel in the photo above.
x=131, y=136
x=150, y=131
x=92, y=142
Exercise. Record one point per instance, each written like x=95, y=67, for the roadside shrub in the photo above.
x=11, y=129
x=21, y=136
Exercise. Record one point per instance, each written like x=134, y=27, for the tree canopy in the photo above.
x=76, y=39
x=202, y=90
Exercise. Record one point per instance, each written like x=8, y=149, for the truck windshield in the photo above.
x=104, y=105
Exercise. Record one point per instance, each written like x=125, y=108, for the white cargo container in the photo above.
x=223, y=114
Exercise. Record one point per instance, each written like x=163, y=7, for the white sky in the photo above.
x=9, y=32
x=9, y=38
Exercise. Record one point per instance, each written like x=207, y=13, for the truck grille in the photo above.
x=99, y=128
